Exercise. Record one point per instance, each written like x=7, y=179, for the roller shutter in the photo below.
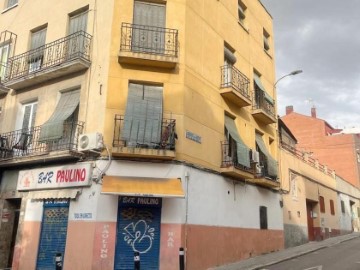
x=53, y=235
x=138, y=229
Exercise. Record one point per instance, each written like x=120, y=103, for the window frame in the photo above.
x=263, y=217
x=8, y=6
x=3, y=62
x=241, y=12
x=266, y=40
x=342, y=205
x=332, y=207
x=322, y=204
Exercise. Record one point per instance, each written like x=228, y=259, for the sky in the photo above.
x=322, y=38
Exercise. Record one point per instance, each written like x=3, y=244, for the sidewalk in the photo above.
x=260, y=262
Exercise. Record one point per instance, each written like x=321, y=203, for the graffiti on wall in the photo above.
x=139, y=235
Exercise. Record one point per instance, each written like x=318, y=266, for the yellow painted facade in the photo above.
x=191, y=90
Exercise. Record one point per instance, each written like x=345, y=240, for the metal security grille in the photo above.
x=52, y=237
x=138, y=229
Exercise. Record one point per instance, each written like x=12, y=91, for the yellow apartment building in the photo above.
x=137, y=128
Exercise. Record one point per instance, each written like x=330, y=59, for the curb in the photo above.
x=258, y=267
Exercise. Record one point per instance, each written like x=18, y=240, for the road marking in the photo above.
x=315, y=268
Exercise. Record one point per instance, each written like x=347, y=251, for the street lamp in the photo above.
x=295, y=72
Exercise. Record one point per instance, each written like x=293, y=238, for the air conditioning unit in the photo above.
x=255, y=156
x=91, y=142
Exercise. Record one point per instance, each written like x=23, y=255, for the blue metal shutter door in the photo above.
x=52, y=236
x=138, y=229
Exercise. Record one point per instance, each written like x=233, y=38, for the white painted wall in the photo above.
x=345, y=218
x=212, y=199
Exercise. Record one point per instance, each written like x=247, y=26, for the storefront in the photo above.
x=139, y=214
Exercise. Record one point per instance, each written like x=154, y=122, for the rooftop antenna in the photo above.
x=311, y=102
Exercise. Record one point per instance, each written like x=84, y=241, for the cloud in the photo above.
x=319, y=37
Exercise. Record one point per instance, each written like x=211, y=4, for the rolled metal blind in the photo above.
x=242, y=151
x=53, y=128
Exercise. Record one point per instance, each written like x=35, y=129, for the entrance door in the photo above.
x=138, y=230
x=53, y=233
x=310, y=220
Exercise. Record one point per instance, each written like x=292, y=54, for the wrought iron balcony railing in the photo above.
x=71, y=47
x=229, y=157
x=232, y=77
x=260, y=102
x=144, y=133
x=149, y=40
x=26, y=142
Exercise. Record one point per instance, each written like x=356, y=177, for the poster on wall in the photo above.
x=75, y=175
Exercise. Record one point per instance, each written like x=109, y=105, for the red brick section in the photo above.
x=338, y=151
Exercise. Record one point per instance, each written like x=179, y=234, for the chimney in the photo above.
x=289, y=109
x=313, y=112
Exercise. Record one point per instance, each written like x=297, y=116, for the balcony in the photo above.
x=263, y=110
x=235, y=86
x=262, y=177
x=230, y=166
x=148, y=46
x=134, y=143
x=56, y=59
x=23, y=146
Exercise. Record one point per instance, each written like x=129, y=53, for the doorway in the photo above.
x=310, y=205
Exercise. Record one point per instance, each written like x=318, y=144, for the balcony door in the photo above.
x=23, y=139
x=143, y=116
x=77, y=30
x=149, y=27
x=37, y=48
x=4, y=55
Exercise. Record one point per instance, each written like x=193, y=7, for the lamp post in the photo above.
x=295, y=72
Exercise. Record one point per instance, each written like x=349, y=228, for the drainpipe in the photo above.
x=187, y=178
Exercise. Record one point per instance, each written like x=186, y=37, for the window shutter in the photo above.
x=38, y=39
x=143, y=116
x=78, y=23
x=149, y=22
x=149, y=14
x=11, y=3
x=53, y=128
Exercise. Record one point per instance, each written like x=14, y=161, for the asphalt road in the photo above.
x=343, y=256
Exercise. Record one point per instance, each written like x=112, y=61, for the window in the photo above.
x=59, y=125
x=268, y=165
x=342, y=206
x=4, y=55
x=358, y=157
x=241, y=11
x=148, y=33
x=37, y=49
x=332, y=208
x=322, y=204
x=266, y=38
x=358, y=212
x=143, y=115
x=78, y=22
x=77, y=27
x=263, y=218
x=237, y=151
x=229, y=61
x=10, y=3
